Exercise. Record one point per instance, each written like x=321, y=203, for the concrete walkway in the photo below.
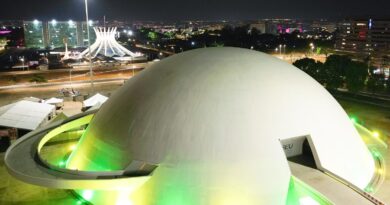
x=15, y=192
x=335, y=191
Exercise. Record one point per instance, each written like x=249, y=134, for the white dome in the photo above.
x=212, y=120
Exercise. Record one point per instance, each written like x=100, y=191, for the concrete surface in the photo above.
x=14, y=192
x=335, y=191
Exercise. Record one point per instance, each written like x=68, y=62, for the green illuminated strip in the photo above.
x=63, y=128
x=300, y=193
x=66, y=130
x=368, y=133
x=375, y=145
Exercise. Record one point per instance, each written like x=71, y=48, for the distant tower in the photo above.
x=107, y=45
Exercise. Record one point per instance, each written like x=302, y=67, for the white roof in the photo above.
x=32, y=99
x=95, y=100
x=53, y=100
x=213, y=120
x=24, y=114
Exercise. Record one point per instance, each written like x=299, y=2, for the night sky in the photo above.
x=173, y=10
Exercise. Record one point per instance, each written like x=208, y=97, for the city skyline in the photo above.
x=200, y=10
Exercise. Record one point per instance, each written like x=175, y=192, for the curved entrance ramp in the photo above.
x=23, y=162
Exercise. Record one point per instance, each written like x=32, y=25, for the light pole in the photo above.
x=89, y=47
x=312, y=48
x=22, y=59
x=70, y=77
x=280, y=49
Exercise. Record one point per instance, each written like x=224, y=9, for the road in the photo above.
x=292, y=57
x=77, y=68
x=64, y=75
x=105, y=87
x=154, y=49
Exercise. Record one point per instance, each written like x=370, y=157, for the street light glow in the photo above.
x=54, y=22
x=70, y=22
x=35, y=22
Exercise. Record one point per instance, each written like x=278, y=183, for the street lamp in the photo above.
x=71, y=23
x=280, y=49
x=89, y=45
x=70, y=77
x=312, y=48
x=22, y=59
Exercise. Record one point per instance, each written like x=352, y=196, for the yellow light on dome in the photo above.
x=375, y=134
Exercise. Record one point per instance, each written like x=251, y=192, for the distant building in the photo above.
x=3, y=43
x=366, y=39
x=54, y=34
x=61, y=32
x=10, y=23
x=323, y=25
x=34, y=34
x=280, y=26
x=259, y=26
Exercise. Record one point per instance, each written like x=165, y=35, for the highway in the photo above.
x=77, y=68
x=154, y=49
x=62, y=84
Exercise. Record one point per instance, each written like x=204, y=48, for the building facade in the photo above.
x=34, y=34
x=366, y=39
x=54, y=34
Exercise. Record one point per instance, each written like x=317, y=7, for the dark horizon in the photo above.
x=175, y=10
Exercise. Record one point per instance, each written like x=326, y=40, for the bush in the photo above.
x=38, y=79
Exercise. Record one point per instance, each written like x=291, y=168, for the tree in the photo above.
x=38, y=79
x=388, y=85
x=312, y=68
x=335, y=68
x=355, y=76
x=375, y=82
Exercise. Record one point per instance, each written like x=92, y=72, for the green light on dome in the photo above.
x=62, y=164
x=369, y=189
x=300, y=193
x=353, y=119
x=376, y=154
x=87, y=194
